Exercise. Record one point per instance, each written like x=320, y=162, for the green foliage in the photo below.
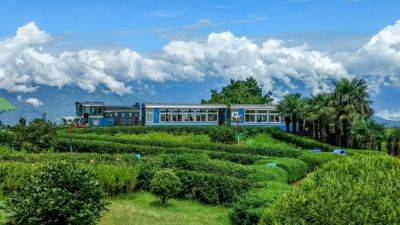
x=359, y=190
x=211, y=188
x=303, y=142
x=39, y=135
x=315, y=160
x=83, y=143
x=223, y=134
x=251, y=206
x=295, y=168
x=165, y=185
x=240, y=92
x=235, y=157
x=14, y=175
x=60, y=193
x=115, y=178
x=204, y=164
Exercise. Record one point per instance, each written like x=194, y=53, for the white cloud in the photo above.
x=33, y=101
x=388, y=115
x=24, y=65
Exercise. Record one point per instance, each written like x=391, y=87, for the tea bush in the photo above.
x=115, y=179
x=251, y=206
x=38, y=135
x=165, y=185
x=356, y=190
x=241, y=158
x=203, y=164
x=300, y=141
x=104, y=144
x=315, y=160
x=211, y=188
x=295, y=168
x=223, y=134
x=60, y=193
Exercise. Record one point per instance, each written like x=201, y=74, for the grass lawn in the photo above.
x=143, y=208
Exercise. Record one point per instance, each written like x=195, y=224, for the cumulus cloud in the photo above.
x=33, y=101
x=24, y=65
x=388, y=115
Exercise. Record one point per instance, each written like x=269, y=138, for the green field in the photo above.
x=143, y=208
x=221, y=183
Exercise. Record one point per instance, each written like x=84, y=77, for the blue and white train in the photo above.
x=98, y=114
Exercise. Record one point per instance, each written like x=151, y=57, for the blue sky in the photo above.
x=135, y=24
x=157, y=50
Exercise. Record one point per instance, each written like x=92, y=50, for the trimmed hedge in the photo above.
x=114, y=178
x=244, y=159
x=277, y=133
x=251, y=206
x=200, y=186
x=288, y=152
x=211, y=188
x=203, y=164
x=315, y=160
x=356, y=190
x=295, y=168
x=300, y=141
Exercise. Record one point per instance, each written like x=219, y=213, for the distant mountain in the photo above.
x=389, y=123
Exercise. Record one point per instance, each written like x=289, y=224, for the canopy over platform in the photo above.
x=6, y=105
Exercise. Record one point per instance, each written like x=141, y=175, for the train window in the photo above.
x=212, y=111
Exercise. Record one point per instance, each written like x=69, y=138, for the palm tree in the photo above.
x=321, y=113
x=368, y=133
x=289, y=107
x=351, y=100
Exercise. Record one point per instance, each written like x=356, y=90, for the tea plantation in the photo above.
x=270, y=177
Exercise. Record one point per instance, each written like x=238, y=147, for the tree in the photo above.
x=165, y=184
x=240, y=92
x=289, y=107
x=351, y=101
x=60, y=193
x=37, y=136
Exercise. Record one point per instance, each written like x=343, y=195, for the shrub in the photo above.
x=235, y=157
x=356, y=190
x=60, y=193
x=115, y=178
x=211, y=188
x=295, y=168
x=104, y=144
x=203, y=164
x=314, y=160
x=165, y=184
x=300, y=141
x=39, y=135
x=14, y=175
x=223, y=134
x=250, y=207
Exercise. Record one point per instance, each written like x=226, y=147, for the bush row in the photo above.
x=201, y=186
x=204, y=164
x=315, y=160
x=277, y=133
x=251, y=206
x=295, y=168
x=114, y=178
x=244, y=159
x=272, y=151
x=300, y=141
x=359, y=190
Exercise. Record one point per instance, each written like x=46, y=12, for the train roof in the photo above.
x=197, y=106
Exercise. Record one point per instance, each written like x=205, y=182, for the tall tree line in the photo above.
x=341, y=117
